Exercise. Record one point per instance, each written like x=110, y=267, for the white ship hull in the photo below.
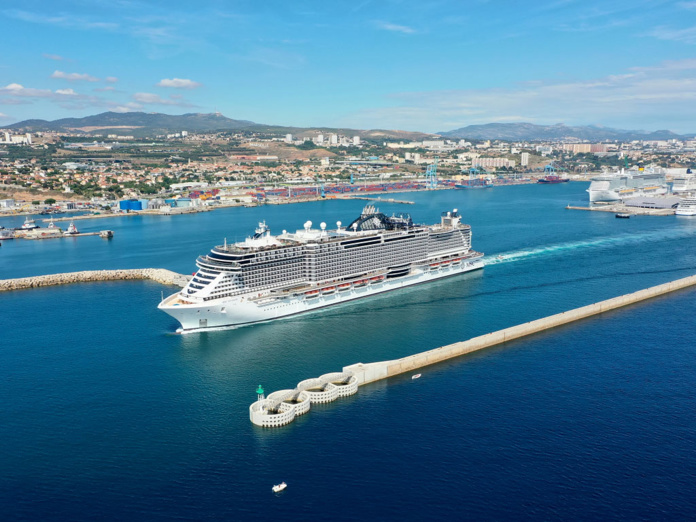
x=687, y=207
x=619, y=187
x=239, y=311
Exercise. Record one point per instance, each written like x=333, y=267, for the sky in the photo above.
x=429, y=65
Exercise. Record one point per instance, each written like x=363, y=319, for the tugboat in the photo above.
x=29, y=224
x=72, y=229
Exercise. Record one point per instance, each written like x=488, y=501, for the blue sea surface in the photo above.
x=106, y=414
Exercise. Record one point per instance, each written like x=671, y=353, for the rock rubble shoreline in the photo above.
x=159, y=275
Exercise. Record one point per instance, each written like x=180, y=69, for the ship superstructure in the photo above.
x=267, y=277
x=627, y=184
x=686, y=207
x=684, y=183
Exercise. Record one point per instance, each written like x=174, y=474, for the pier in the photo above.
x=635, y=211
x=159, y=275
x=281, y=410
x=384, y=200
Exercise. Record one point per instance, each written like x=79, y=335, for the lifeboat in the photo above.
x=434, y=266
x=362, y=282
x=376, y=280
x=457, y=262
x=344, y=287
x=311, y=294
x=328, y=290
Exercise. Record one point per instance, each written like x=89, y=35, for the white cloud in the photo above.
x=3, y=116
x=60, y=20
x=687, y=36
x=55, y=57
x=127, y=107
x=111, y=79
x=156, y=99
x=104, y=89
x=15, y=89
x=395, y=27
x=66, y=92
x=74, y=77
x=178, y=83
x=655, y=97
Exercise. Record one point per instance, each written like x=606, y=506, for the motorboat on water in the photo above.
x=416, y=376
x=279, y=487
x=623, y=215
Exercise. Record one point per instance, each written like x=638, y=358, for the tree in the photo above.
x=36, y=202
x=49, y=201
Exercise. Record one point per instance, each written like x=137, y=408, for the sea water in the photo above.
x=107, y=414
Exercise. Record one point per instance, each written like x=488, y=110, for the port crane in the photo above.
x=431, y=175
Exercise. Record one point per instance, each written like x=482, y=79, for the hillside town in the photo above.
x=188, y=169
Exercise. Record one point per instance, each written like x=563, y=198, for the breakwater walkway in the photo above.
x=268, y=412
x=159, y=275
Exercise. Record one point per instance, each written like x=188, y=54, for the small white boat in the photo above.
x=279, y=487
x=72, y=229
x=417, y=376
x=500, y=257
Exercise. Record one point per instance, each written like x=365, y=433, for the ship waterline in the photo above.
x=270, y=277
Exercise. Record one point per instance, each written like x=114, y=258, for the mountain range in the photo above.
x=532, y=132
x=150, y=124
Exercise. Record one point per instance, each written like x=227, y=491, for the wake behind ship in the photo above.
x=267, y=277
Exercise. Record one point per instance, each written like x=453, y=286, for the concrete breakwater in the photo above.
x=159, y=275
x=262, y=413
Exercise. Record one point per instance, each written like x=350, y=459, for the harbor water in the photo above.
x=109, y=415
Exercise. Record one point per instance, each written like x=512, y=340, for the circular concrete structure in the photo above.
x=261, y=415
x=347, y=385
x=298, y=399
x=318, y=391
x=282, y=406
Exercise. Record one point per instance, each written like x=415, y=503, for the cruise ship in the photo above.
x=267, y=277
x=684, y=183
x=627, y=184
x=686, y=207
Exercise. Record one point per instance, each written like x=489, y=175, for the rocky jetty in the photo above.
x=159, y=275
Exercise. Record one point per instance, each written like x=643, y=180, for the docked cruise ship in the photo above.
x=686, y=207
x=684, y=183
x=267, y=277
x=627, y=184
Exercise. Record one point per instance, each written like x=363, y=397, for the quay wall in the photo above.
x=159, y=275
x=366, y=373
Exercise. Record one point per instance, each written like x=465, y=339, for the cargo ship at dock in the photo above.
x=268, y=277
